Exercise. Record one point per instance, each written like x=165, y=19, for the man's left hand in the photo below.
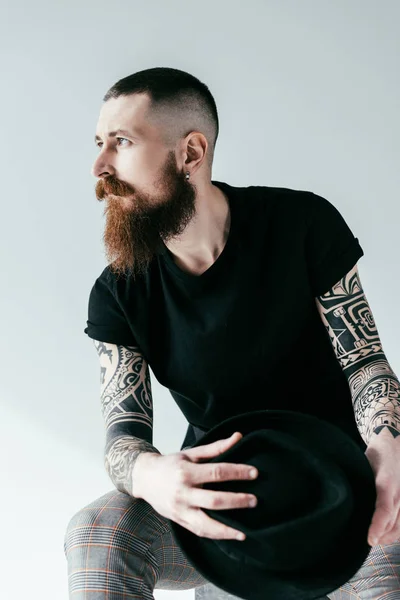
x=383, y=454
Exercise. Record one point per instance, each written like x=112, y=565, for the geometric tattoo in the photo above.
x=126, y=399
x=351, y=327
x=376, y=393
x=125, y=386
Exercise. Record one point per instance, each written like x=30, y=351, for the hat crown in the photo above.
x=295, y=496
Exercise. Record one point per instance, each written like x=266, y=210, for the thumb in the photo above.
x=380, y=520
x=210, y=450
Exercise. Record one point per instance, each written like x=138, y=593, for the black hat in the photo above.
x=316, y=494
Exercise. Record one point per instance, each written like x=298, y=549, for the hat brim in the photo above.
x=351, y=550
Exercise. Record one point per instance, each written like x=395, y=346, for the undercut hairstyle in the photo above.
x=179, y=103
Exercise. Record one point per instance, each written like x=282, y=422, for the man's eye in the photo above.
x=99, y=144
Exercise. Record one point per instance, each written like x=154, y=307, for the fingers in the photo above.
x=196, y=474
x=393, y=532
x=204, y=526
x=199, y=498
x=210, y=450
x=385, y=526
x=382, y=520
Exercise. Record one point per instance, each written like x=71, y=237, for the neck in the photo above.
x=204, y=238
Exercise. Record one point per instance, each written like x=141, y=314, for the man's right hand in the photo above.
x=172, y=484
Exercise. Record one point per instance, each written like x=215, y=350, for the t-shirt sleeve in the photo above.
x=106, y=321
x=332, y=250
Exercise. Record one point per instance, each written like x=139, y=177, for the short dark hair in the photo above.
x=174, y=93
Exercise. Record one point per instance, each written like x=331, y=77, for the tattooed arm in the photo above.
x=374, y=387
x=127, y=408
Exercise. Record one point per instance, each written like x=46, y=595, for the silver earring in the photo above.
x=187, y=175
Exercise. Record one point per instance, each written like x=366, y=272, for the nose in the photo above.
x=101, y=168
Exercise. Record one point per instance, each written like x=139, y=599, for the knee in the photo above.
x=99, y=518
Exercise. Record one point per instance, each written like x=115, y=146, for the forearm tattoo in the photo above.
x=374, y=387
x=120, y=461
x=126, y=399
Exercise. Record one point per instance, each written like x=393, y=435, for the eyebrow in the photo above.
x=117, y=132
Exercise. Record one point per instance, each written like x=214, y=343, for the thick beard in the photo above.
x=137, y=227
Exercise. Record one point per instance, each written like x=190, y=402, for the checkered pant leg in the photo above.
x=119, y=547
x=377, y=579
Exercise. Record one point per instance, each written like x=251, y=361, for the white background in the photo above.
x=308, y=97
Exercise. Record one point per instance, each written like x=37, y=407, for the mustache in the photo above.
x=112, y=186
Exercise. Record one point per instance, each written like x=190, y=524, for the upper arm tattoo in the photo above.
x=125, y=387
x=351, y=327
x=350, y=324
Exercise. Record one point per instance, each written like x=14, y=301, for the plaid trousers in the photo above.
x=118, y=547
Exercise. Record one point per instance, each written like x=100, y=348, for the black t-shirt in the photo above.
x=246, y=334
